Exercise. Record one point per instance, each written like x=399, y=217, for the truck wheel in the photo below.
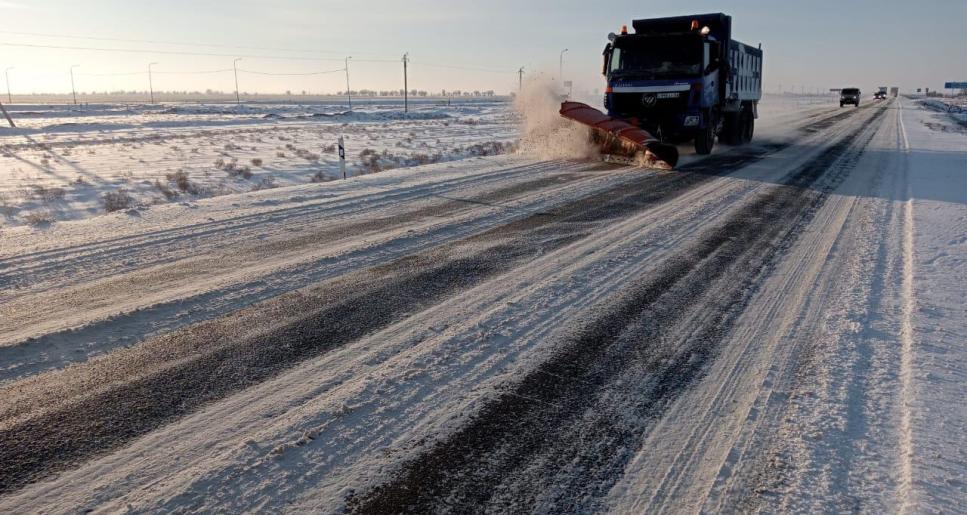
x=704, y=141
x=748, y=127
x=730, y=129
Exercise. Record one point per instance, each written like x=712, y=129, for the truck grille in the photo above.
x=633, y=104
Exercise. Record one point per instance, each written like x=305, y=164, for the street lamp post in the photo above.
x=73, y=89
x=150, y=82
x=349, y=94
x=561, y=72
x=6, y=73
x=238, y=99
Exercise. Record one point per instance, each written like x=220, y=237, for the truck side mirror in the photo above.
x=712, y=66
x=607, y=59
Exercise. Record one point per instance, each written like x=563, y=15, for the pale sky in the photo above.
x=456, y=45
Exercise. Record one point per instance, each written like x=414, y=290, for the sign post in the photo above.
x=342, y=157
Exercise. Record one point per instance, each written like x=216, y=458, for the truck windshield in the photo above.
x=657, y=58
x=851, y=91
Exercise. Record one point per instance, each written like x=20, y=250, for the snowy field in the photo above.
x=774, y=328
x=955, y=107
x=67, y=162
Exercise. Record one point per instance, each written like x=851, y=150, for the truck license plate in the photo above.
x=668, y=95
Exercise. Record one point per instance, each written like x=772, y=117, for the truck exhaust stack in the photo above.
x=617, y=137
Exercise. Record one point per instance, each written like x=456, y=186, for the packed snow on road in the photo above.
x=197, y=313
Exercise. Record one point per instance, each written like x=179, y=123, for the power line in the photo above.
x=197, y=72
x=461, y=67
x=123, y=74
x=179, y=52
x=258, y=56
x=293, y=74
x=164, y=42
x=225, y=70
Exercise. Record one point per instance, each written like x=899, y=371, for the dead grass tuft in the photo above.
x=117, y=200
x=39, y=218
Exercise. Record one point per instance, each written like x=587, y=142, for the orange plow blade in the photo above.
x=618, y=137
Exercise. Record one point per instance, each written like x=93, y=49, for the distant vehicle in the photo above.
x=879, y=95
x=849, y=96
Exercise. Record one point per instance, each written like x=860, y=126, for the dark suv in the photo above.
x=849, y=96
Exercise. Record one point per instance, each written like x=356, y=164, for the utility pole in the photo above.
x=520, y=80
x=6, y=73
x=7, y=116
x=349, y=94
x=73, y=90
x=406, y=86
x=150, y=82
x=238, y=99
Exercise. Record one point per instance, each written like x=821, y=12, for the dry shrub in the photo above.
x=489, y=148
x=305, y=154
x=369, y=159
x=48, y=195
x=169, y=193
x=39, y=218
x=180, y=178
x=266, y=183
x=321, y=177
x=233, y=169
x=6, y=208
x=117, y=200
x=257, y=162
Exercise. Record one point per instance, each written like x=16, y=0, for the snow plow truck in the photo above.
x=674, y=80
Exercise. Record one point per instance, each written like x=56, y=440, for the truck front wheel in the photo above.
x=705, y=140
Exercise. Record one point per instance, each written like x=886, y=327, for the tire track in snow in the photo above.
x=166, y=245
x=56, y=420
x=558, y=440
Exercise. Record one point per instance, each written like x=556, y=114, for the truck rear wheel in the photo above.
x=705, y=140
x=748, y=127
x=731, y=129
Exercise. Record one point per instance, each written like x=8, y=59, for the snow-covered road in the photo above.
x=776, y=327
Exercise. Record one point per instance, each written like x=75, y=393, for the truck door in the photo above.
x=713, y=71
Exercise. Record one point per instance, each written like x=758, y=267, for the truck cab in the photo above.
x=684, y=78
x=849, y=96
